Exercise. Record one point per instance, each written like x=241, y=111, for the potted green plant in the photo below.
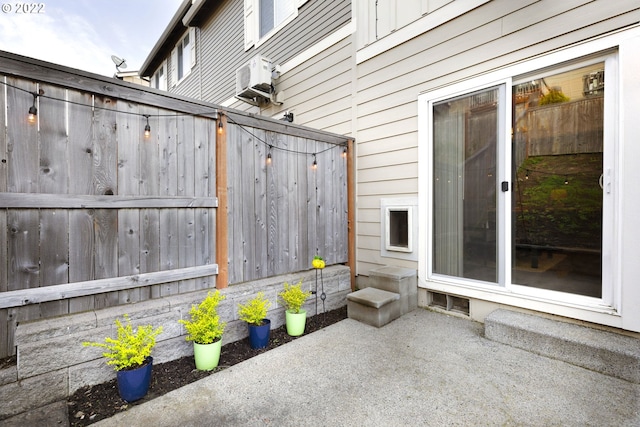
x=205, y=330
x=293, y=297
x=254, y=312
x=130, y=356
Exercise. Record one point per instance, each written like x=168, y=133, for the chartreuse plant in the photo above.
x=130, y=349
x=294, y=297
x=254, y=311
x=205, y=326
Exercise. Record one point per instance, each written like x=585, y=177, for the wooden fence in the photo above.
x=93, y=214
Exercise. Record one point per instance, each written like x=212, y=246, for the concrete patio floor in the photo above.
x=426, y=368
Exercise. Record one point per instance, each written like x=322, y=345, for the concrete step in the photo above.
x=601, y=351
x=373, y=306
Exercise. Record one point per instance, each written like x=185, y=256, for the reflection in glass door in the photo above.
x=557, y=175
x=465, y=140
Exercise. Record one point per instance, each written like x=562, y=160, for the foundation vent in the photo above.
x=448, y=303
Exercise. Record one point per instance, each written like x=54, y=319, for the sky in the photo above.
x=83, y=34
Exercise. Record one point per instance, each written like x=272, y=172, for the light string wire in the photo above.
x=271, y=146
x=205, y=114
x=40, y=94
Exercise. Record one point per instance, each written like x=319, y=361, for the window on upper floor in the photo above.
x=183, y=57
x=159, y=78
x=263, y=18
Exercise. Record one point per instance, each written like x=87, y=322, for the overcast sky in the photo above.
x=84, y=34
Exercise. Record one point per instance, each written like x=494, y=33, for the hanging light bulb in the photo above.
x=566, y=180
x=33, y=111
x=344, y=152
x=314, y=165
x=526, y=174
x=147, y=128
x=269, y=155
x=220, y=126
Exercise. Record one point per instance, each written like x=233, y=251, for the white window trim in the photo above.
x=191, y=33
x=420, y=26
x=163, y=67
x=612, y=307
x=252, y=23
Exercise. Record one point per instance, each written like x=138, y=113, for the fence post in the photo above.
x=351, y=212
x=222, y=234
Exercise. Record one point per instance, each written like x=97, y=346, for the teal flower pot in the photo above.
x=295, y=322
x=207, y=356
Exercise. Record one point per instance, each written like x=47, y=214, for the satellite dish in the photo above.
x=120, y=63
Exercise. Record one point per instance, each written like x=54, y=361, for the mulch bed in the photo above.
x=91, y=404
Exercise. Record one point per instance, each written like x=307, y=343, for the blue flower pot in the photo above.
x=259, y=335
x=133, y=384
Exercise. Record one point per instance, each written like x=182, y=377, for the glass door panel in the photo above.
x=465, y=140
x=557, y=176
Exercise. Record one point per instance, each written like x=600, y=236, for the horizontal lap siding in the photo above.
x=498, y=33
x=221, y=40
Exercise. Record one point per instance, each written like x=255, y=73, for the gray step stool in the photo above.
x=373, y=306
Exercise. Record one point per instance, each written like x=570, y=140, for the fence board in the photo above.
x=54, y=250
x=81, y=154
x=81, y=255
x=106, y=253
x=149, y=247
x=259, y=189
x=149, y=155
x=54, y=170
x=169, y=247
x=25, y=298
x=4, y=270
x=234, y=198
x=22, y=139
x=245, y=200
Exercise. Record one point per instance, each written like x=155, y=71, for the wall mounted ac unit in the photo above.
x=253, y=81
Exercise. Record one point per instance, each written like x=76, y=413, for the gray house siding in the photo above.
x=220, y=45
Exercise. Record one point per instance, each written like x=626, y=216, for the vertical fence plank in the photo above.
x=130, y=136
x=236, y=137
x=5, y=350
x=204, y=129
x=312, y=203
x=168, y=186
x=53, y=179
x=273, y=242
x=291, y=195
x=105, y=182
x=80, y=154
x=169, y=247
x=22, y=176
x=149, y=150
x=305, y=253
x=262, y=170
x=245, y=201
x=186, y=187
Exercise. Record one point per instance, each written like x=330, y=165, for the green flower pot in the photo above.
x=207, y=356
x=295, y=322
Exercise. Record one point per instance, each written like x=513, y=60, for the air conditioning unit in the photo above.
x=253, y=81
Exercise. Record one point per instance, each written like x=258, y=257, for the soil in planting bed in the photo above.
x=91, y=404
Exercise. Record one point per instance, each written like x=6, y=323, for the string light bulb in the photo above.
x=344, y=152
x=33, y=111
x=269, y=155
x=314, y=165
x=220, y=126
x=147, y=127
